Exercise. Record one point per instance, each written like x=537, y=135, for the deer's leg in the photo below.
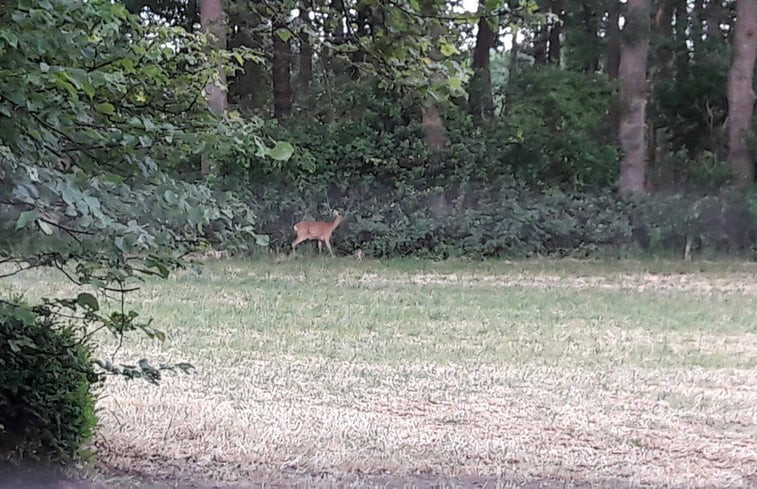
x=296, y=242
x=320, y=246
x=328, y=245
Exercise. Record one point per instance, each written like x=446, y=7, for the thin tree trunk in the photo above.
x=664, y=17
x=714, y=15
x=589, y=21
x=741, y=91
x=541, y=37
x=282, y=86
x=247, y=88
x=305, y=75
x=662, y=56
x=632, y=75
x=213, y=21
x=612, y=62
x=697, y=27
x=480, y=102
x=553, y=55
x=512, y=70
x=434, y=132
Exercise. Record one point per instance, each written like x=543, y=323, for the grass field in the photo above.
x=414, y=373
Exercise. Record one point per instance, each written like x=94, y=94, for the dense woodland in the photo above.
x=426, y=121
x=503, y=128
x=133, y=133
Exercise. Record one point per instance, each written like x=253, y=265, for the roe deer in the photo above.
x=317, y=230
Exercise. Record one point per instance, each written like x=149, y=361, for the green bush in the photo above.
x=47, y=407
x=508, y=220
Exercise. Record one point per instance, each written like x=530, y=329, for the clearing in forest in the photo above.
x=317, y=372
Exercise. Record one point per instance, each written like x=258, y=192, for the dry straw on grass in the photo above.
x=349, y=375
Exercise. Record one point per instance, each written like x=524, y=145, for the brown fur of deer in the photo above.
x=317, y=230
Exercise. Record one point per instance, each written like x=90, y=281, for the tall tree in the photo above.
x=248, y=88
x=480, y=102
x=741, y=91
x=305, y=75
x=660, y=59
x=612, y=29
x=582, y=41
x=632, y=75
x=434, y=131
x=540, y=44
x=282, y=54
x=213, y=21
x=553, y=53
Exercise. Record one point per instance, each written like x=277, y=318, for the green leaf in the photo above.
x=105, y=108
x=61, y=82
x=9, y=37
x=282, y=151
x=455, y=83
x=25, y=315
x=88, y=89
x=284, y=34
x=149, y=125
x=25, y=218
x=448, y=49
x=145, y=141
x=45, y=227
x=88, y=301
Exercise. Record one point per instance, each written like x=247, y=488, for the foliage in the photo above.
x=692, y=104
x=552, y=134
x=47, y=407
x=97, y=111
x=509, y=220
x=89, y=133
x=561, y=120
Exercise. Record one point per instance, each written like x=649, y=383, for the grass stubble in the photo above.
x=320, y=372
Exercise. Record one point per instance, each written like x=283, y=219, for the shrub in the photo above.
x=47, y=409
x=508, y=220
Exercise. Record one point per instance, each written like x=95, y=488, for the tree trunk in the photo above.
x=589, y=24
x=480, y=102
x=435, y=134
x=680, y=36
x=612, y=63
x=741, y=91
x=714, y=16
x=661, y=69
x=697, y=27
x=541, y=37
x=512, y=70
x=247, y=88
x=305, y=75
x=213, y=21
x=664, y=17
x=632, y=75
x=282, y=87
x=363, y=27
x=553, y=55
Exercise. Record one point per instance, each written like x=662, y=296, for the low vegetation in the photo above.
x=637, y=372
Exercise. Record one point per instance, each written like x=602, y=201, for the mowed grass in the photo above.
x=581, y=371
